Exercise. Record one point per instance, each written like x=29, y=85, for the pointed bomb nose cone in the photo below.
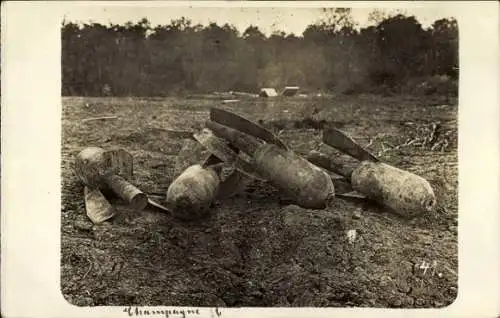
x=403, y=192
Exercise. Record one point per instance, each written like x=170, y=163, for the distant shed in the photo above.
x=268, y=92
x=290, y=91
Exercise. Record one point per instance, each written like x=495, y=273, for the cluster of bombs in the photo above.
x=253, y=152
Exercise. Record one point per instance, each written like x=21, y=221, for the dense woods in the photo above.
x=396, y=55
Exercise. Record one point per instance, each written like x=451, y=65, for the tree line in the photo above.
x=137, y=59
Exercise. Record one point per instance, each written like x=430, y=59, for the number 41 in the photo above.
x=425, y=266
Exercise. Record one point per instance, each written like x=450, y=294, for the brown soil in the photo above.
x=256, y=249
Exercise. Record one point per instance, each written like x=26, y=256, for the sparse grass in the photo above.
x=255, y=249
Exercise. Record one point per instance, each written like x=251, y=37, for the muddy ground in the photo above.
x=257, y=249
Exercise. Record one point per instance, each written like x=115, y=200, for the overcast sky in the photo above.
x=268, y=19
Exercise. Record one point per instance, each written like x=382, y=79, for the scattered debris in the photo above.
x=181, y=134
x=158, y=206
x=97, y=206
x=268, y=92
x=230, y=101
x=223, y=95
x=99, y=118
x=434, y=137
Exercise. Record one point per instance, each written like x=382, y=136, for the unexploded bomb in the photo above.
x=402, y=191
x=304, y=182
x=191, y=194
x=98, y=168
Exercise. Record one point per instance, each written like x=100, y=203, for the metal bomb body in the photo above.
x=403, y=192
x=99, y=168
x=304, y=182
x=190, y=195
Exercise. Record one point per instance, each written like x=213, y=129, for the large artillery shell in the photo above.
x=404, y=192
x=127, y=192
x=190, y=195
x=98, y=208
x=244, y=125
x=310, y=186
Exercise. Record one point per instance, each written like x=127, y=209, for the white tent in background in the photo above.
x=268, y=92
x=290, y=90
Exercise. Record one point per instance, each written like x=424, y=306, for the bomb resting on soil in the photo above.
x=306, y=183
x=402, y=191
x=191, y=194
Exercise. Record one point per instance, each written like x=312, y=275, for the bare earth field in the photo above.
x=256, y=249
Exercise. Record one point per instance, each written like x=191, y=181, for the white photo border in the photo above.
x=31, y=162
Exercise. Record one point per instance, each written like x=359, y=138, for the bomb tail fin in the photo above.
x=339, y=140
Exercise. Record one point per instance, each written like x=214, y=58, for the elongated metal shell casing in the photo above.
x=403, y=192
x=304, y=182
x=190, y=195
x=98, y=168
